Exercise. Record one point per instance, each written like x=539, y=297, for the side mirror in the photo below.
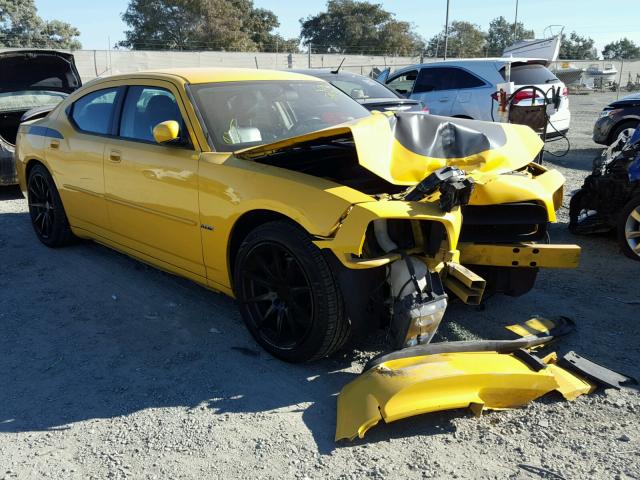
x=166, y=131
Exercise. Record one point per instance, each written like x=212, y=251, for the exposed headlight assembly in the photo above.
x=418, y=304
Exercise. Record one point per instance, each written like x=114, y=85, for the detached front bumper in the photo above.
x=421, y=384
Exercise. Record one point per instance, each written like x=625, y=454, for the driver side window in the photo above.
x=403, y=84
x=144, y=108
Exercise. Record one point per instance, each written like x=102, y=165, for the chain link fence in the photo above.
x=613, y=76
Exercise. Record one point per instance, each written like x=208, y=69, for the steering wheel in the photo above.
x=308, y=126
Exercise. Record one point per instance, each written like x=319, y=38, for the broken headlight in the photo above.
x=418, y=305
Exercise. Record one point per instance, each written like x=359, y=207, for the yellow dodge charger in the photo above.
x=321, y=219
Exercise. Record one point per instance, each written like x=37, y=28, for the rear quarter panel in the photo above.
x=30, y=146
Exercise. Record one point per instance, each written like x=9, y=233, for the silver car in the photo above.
x=464, y=88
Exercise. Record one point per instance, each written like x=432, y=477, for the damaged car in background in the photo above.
x=323, y=220
x=609, y=199
x=33, y=82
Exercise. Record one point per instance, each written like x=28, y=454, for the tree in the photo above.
x=624, y=48
x=21, y=27
x=202, y=24
x=501, y=35
x=576, y=47
x=350, y=26
x=161, y=25
x=465, y=40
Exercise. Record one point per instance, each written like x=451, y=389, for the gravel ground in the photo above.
x=112, y=369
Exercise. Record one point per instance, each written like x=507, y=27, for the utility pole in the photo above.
x=446, y=31
x=515, y=25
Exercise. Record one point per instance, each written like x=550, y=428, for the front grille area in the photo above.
x=506, y=223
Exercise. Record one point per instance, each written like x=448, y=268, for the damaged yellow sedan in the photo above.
x=324, y=221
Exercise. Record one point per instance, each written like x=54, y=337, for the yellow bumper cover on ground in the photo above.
x=411, y=386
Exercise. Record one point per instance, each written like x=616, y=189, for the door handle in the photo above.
x=54, y=144
x=115, y=156
x=445, y=99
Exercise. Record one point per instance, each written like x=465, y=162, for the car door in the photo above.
x=76, y=154
x=434, y=87
x=403, y=82
x=151, y=188
x=473, y=99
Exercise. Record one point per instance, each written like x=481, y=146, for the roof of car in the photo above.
x=211, y=75
x=325, y=72
x=499, y=62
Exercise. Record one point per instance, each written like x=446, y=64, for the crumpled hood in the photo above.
x=406, y=147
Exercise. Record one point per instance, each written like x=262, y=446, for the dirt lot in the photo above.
x=111, y=369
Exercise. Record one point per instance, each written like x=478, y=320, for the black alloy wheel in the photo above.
x=277, y=294
x=287, y=294
x=46, y=210
x=41, y=206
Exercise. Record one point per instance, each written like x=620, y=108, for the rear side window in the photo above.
x=531, y=75
x=93, y=113
x=445, y=78
x=144, y=108
x=403, y=84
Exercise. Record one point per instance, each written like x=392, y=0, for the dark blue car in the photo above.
x=610, y=197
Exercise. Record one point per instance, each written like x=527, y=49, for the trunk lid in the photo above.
x=38, y=70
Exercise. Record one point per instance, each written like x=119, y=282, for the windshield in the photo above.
x=532, y=74
x=28, y=99
x=362, y=88
x=244, y=114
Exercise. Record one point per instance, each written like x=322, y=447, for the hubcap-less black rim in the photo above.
x=41, y=205
x=277, y=294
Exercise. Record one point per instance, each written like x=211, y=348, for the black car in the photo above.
x=33, y=82
x=617, y=118
x=366, y=91
x=610, y=197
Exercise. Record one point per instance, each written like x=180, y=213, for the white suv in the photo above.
x=464, y=88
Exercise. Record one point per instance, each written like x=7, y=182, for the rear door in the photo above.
x=436, y=88
x=151, y=188
x=77, y=155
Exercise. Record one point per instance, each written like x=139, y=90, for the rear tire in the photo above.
x=576, y=206
x=287, y=295
x=629, y=229
x=48, y=217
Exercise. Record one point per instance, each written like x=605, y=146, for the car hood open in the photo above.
x=406, y=147
x=34, y=70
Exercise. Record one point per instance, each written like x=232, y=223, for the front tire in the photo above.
x=629, y=229
x=625, y=128
x=47, y=213
x=287, y=294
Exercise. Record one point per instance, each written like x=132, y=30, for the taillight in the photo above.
x=565, y=92
x=524, y=95
x=425, y=109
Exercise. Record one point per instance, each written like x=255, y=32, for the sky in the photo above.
x=100, y=21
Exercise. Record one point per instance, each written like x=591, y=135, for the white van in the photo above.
x=464, y=88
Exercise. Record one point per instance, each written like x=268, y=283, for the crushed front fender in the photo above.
x=410, y=386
